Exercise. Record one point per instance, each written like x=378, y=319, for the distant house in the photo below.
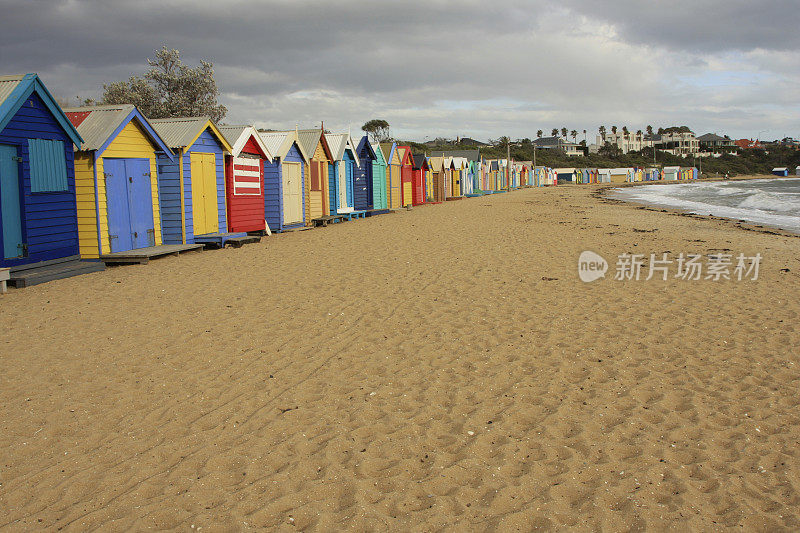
x=557, y=143
x=747, y=143
x=626, y=142
x=711, y=142
x=676, y=143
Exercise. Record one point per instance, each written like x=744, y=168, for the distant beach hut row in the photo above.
x=88, y=186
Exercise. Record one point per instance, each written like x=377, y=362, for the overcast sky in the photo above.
x=440, y=68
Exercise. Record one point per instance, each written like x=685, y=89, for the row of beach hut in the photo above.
x=80, y=187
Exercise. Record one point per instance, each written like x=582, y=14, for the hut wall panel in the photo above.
x=362, y=182
x=33, y=120
x=273, y=194
x=169, y=186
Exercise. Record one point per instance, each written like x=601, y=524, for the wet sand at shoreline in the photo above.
x=441, y=368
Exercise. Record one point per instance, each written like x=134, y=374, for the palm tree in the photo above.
x=539, y=134
x=602, y=131
x=649, y=130
x=564, y=132
x=574, y=135
x=554, y=132
x=614, y=130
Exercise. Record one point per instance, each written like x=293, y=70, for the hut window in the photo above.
x=48, y=165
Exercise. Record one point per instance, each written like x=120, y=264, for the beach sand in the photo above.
x=437, y=369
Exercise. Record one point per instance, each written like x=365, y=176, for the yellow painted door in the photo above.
x=292, y=194
x=397, y=200
x=456, y=183
x=205, y=214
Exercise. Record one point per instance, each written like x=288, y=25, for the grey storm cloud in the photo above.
x=436, y=67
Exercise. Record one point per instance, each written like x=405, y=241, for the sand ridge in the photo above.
x=436, y=369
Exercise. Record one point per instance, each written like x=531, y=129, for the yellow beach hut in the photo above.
x=394, y=176
x=116, y=180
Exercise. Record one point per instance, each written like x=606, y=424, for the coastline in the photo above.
x=602, y=195
x=440, y=368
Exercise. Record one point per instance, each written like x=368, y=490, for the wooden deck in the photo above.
x=44, y=271
x=141, y=256
x=323, y=221
x=219, y=240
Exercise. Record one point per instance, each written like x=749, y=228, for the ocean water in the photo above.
x=768, y=202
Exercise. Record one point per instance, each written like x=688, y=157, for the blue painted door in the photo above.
x=10, y=206
x=140, y=202
x=119, y=217
x=130, y=204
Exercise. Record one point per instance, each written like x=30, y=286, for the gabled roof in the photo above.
x=100, y=125
x=339, y=142
x=419, y=161
x=364, y=143
x=404, y=152
x=182, y=132
x=309, y=139
x=388, y=149
x=436, y=163
x=14, y=92
x=237, y=137
x=280, y=142
x=378, y=152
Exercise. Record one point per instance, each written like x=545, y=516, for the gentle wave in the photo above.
x=769, y=202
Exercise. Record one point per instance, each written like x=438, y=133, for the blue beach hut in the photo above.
x=363, y=193
x=341, y=173
x=38, y=207
x=192, y=184
x=284, y=181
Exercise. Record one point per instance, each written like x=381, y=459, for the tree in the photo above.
x=614, y=130
x=602, y=131
x=625, y=131
x=170, y=89
x=554, y=132
x=649, y=130
x=574, y=135
x=377, y=129
x=564, y=132
x=610, y=150
x=539, y=134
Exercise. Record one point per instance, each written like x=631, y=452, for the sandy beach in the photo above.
x=442, y=368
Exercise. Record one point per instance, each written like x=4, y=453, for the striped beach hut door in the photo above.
x=344, y=182
x=205, y=213
x=10, y=206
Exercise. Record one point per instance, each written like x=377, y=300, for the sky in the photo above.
x=439, y=68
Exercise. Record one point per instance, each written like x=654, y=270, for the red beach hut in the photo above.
x=244, y=178
x=418, y=181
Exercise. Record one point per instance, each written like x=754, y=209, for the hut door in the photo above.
x=205, y=213
x=129, y=203
x=10, y=206
x=292, y=194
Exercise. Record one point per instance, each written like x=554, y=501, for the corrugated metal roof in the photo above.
x=338, y=143
x=309, y=139
x=232, y=133
x=237, y=137
x=180, y=132
x=8, y=84
x=275, y=141
x=100, y=123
